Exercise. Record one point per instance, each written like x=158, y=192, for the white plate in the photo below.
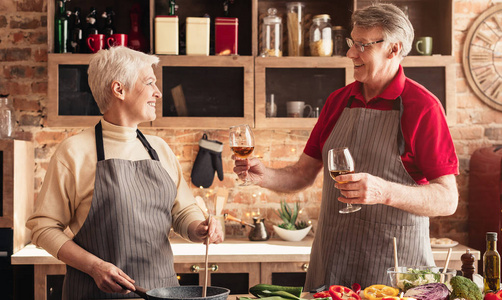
x=453, y=244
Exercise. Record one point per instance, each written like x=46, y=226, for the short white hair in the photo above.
x=115, y=64
x=396, y=27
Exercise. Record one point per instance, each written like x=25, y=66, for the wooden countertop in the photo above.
x=231, y=250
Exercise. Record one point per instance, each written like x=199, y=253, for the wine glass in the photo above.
x=242, y=144
x=340, y=162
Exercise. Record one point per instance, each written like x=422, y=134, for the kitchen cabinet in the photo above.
x=213, y=92
x=17, y=161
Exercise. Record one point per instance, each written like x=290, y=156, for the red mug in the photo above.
x=117, y=39
x=96, y=42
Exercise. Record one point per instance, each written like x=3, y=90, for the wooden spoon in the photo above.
x=204, y=290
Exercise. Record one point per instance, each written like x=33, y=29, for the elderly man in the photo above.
x=405, y=161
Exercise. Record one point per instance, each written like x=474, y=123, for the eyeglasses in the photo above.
x=360, y=46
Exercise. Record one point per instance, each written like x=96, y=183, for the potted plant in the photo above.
x=290, y=229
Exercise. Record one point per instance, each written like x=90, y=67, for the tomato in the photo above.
x=494, y=296
x=339, y=292
x=356, y=287
x=379, y=291
x=323, y=294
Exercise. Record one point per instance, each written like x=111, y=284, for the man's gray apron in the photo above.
x=128, y=224
x=358, y=247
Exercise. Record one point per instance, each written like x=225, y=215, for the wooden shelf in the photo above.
x=262, y=76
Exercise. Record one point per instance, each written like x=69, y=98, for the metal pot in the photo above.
x=187, y=292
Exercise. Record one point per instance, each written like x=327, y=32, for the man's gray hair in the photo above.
x=115, y=64
x=395, y=25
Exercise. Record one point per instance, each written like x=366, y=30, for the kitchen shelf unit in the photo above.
x=262, y=76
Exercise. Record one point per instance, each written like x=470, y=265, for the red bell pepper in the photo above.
x=494, y=296
x=323, y=294
x=339, y=292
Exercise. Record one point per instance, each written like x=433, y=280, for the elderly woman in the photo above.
x=117, y=191
x=405, y=161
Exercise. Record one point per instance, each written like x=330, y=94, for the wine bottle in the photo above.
x=137, y=40
x=172, y=8
x=61, y=27
x=491, y=264
x=109, y=27
x=76, y=32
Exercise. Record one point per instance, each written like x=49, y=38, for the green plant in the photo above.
x=289, y=215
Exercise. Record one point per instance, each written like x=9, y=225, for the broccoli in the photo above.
x=464, y=288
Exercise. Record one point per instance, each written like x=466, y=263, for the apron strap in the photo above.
x=100, y=149
x=151, y=151
x=398, y=105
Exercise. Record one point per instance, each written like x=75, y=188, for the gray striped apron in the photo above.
x=358, y=247
x=128, y=224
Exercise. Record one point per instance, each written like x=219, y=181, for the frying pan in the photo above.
x=186, y=292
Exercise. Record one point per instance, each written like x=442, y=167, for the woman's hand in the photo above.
x=111, y=279
x=198, y=231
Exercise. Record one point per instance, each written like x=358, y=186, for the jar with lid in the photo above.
x=295, y=11
x=339, y=43
x=321, y=42
x=271, y=44
x=7, y=121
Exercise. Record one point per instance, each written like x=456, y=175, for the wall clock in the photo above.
x=482, y=57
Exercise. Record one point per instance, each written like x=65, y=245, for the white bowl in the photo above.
x=292, y=235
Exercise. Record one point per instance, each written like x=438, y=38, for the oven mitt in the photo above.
x=208, y=161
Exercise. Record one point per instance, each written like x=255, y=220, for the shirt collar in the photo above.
x=394, y=90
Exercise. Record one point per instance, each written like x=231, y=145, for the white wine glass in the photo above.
x=242, y=144
x=340, y=162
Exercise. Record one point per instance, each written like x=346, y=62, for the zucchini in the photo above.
x=262, y=289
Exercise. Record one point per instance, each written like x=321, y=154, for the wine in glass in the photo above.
x=340, y=162
x=242, y=143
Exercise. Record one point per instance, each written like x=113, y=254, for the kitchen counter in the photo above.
x=235, y=250
x=235, y=254
x=231, y=250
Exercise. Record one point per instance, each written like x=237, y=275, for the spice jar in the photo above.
x=321, y=42
x=295, y=12
x=271, y=34
x=339, y=43
x=7, y=121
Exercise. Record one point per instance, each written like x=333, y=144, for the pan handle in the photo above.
x=141, y=292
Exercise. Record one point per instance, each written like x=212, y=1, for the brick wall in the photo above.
x=23, y=63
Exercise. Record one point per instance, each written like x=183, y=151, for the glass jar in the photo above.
x=321, y=42
x=7, y=121
x=295, y=11
x=339, y=44
x=271, y=44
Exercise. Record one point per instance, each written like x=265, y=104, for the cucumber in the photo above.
x=265, y=290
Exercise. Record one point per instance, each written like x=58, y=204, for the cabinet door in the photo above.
x=284, y=273
x=205, y=92
x=237, y=277
x=307, y=79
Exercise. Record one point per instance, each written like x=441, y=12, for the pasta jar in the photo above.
x=271, y=44
x=321, y=42
x=295, y=28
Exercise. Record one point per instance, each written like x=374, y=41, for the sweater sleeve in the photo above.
x=52, y=212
